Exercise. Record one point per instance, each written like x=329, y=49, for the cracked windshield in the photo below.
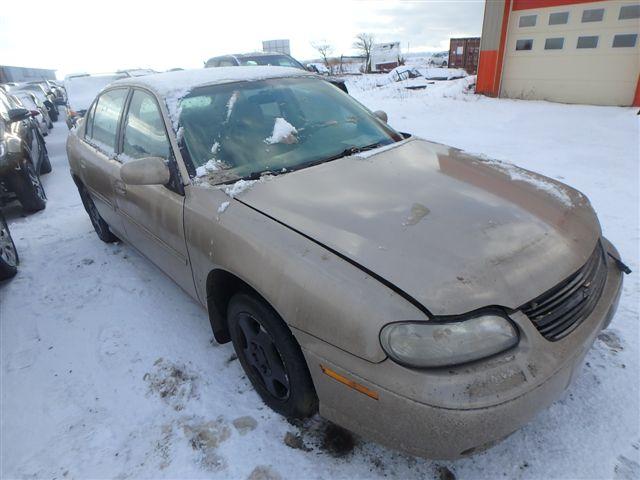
x=246, y=129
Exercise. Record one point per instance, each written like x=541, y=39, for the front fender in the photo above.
x=312, y=289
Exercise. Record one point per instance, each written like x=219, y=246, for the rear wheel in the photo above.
x=8, y=253
x=271, y=357
x=99, y=225
x=26, y=184
x=45, y=166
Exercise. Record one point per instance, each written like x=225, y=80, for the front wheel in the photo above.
x=8, y=252
x=26, y=184
x=271, y=357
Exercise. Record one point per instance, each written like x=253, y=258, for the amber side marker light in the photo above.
x=349, y=383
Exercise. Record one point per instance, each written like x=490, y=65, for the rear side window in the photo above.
x=144, y=132
x=526, y=44
x=102, y=126
x=527, y=21
x=593, y=15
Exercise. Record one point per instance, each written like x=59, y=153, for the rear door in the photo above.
x=99, y=168
x=153, y=214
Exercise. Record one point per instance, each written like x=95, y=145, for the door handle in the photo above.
x=120, y=187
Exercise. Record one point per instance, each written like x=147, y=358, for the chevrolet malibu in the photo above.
x=424, y=298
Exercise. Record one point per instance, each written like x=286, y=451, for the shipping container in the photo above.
x=464, y=53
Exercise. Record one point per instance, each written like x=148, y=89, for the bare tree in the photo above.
x=324, y=49
x=364, y=45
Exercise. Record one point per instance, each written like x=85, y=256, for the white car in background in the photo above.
x=81, y=89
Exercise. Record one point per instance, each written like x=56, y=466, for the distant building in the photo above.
x=385, y=56
x=23, y=74
x=280, y=46
x=463, y=53
x=571, y=51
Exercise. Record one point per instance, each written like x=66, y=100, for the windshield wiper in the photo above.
x=259, y=173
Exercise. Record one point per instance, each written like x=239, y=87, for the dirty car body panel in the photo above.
x=411, y=231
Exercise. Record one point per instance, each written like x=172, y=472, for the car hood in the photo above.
x=454, y=232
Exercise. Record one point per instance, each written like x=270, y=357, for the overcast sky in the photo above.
x=84, y=35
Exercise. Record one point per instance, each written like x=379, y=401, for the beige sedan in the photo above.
x=421, y=297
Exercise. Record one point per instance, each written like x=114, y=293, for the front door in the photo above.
x=153, y=214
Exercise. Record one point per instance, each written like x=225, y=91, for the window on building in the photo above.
x=629, y=11
x=625, y=40
x=526, y=44
x=558, y=18
x=554, y=43
x=590, y=41
x=527, y=21
x=592, y=15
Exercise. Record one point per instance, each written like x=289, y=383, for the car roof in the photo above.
x=178, y=84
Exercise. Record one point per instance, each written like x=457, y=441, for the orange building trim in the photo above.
x=531, y=4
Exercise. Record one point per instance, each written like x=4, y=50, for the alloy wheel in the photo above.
x=35, y=182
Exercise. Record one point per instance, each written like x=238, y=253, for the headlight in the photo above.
x=435, y=344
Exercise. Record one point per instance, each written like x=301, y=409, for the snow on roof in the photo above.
x=186, y=80
x=174, y=86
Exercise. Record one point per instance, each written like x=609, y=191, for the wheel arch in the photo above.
x=221, y=286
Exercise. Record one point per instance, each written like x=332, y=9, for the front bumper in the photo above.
x=450, y=413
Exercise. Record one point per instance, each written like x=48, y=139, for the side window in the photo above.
x=226, y=62
x=629, y=11
x=527, y=21
x=88, y=122
x=144, y=132
x=103, y=127
x=558, y=18
x=593, y=15
x=524, y=44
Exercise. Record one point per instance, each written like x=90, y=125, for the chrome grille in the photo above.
x=559, y=311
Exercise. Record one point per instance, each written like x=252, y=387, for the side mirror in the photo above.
x=381, y=115
x=18, y=114
x=145, y=171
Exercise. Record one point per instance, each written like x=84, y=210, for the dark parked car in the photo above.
x=43, y=94
x=274, y=59
x=23, y=157
x=8, y=252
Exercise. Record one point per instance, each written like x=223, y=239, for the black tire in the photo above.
x=271, y=357
x=45, y=165
x=26, y=184
x=8, y=254
x=53, y=113
x=99, y=225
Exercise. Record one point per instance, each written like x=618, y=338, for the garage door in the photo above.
x=581, y=53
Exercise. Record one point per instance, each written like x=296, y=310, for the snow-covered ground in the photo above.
x=108, y=368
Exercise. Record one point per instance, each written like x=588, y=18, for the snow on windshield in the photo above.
x=283, y=132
